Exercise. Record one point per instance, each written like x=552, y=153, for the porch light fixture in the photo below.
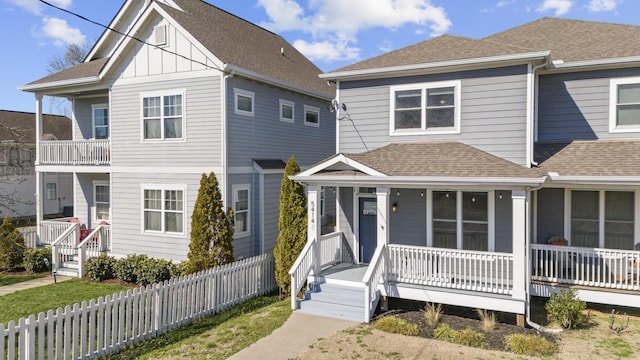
x=421, y=193
x=394, y=208
x=398, y=193
x=500, y=195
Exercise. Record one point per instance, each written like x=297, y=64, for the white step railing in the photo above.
x=95, y=244
x=603, y=268
x=50, y=230
x=375, y=274
x=330, y=249
x=448, y=268
x=65, y=246
x=75, y=152
x=300, y=270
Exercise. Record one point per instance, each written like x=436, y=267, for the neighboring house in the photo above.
x=17, y=171
x=191, y=89
x=462, y=164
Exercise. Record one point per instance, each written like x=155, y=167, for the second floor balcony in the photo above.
x=75, y=152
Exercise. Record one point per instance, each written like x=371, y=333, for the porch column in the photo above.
x=519, y=199
x=39, y=175
x=314, y=226
x=382, y=195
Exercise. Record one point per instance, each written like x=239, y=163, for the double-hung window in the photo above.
x=100, y=121
x=461, y=220
x=241, y=208
x=52, y=193
x=163, y=116
x=624, y=105
x=425, y=108
x=101, y=200
x=163, y=209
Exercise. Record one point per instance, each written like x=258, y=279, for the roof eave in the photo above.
x=594, y=180
x=403, y=70
x=229, y=68
x=89, y=80
x=406, y=181
x=597, y=63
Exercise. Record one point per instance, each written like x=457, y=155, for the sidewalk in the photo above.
x=293, y=337
x=8, y=289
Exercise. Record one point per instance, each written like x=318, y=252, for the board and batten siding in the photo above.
x=201, y=146
x=126, y=209
x=83, y=116
x=345, y=221
x=271, y=215
x=575, y=106
x=493, y=112
x=503, y=221
x=408, y=225
x=550, y=214
x=264, y=136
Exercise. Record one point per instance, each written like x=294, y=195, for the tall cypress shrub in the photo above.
x=12, y=246
x=211, y=228
x=292, y=226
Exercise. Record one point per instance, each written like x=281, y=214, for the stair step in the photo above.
x=335, y=295
x=337, y=311
x=66, y=271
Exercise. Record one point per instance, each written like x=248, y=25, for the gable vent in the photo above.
x=160, y=35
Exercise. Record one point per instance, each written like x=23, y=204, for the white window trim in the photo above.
x=161, y=94
x=308, y=108
x=163, y=187
x=94, y=209
x=234, y=191
x=293, y=111
x=245, y=93
x=613, y=105
x=94, y=107
x=423, y=87
x=47, y=191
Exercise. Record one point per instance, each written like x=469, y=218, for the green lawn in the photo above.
x=50, y=297
x=216, y=337
x=9, y=279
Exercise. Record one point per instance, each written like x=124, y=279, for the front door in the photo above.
x=368, y=233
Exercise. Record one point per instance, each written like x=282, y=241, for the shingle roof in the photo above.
x=234, y=41
x=574, y=40
x=441, y=48
x=440, y=159
x=590, y=158
x=21, y=126
x=270, y=164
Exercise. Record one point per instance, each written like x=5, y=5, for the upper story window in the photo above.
x=425, y=108
x=311, y=116
x=100, y=121
x=287, y=112
x=163, y=116
x=624, y=105
x=244, y=102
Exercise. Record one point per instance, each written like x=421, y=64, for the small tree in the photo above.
x=292, y=226
x=11, y=246
x=211, y=228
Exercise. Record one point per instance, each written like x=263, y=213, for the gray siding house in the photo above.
x=190, y=89
x=481, y=172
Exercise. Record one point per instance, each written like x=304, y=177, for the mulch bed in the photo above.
x=459, y=318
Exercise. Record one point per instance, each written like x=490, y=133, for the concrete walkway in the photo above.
x=8, y=289
x=293, y=337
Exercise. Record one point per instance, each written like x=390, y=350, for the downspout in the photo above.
x=531, y=111
x=223, y=107
x=528, y=268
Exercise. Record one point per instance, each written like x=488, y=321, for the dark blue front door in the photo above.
x=368, y=232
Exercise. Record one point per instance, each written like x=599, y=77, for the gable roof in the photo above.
x=20, y=127
x=242, y=46
x=574, y=40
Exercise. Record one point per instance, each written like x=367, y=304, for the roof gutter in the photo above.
x=419, y=180
x=631, y=60
x=63, y=83
x=398, y=70
x=594, y=180
x=267, y=79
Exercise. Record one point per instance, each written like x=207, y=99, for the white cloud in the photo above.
x=335, y=24
x=559, y=7
x=60, y=32
x=602, y=5
x=35, y=7
x=504, y=3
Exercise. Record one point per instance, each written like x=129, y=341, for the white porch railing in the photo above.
x=448, y=268
x=604, y=268
x=300, y=270
x=30, y=236
x=330, y=249
x=75, y=152
x=65, y=246
x=371, y=279
x=50, y=230
x=95, y=244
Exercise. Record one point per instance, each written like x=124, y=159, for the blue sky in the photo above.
x=332, y=33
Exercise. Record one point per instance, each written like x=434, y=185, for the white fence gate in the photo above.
x=105, y=325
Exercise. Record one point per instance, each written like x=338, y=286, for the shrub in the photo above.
x=432, y=313
x=566, y=309
x=12, y=246
x=126, y=268
x=446, y=333
x=488, y=319
x=532, y=345
x=37, y=260
x=151, y=271
x=100, y=268
x=394, y=325
x=466, y=337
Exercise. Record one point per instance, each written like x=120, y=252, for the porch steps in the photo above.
x=334, y=300
x=69, y=267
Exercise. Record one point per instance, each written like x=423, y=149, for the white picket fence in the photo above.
x=103, y=326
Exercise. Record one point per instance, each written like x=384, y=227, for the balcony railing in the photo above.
x=75, y=152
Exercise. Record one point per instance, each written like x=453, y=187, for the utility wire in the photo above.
x=129, y=36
